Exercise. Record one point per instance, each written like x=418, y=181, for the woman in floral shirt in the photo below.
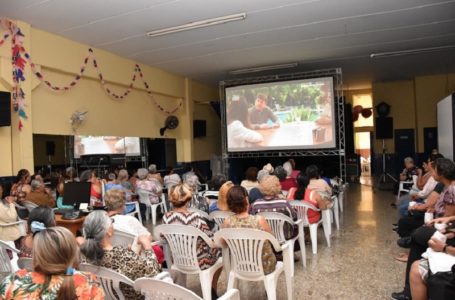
x=55, y=253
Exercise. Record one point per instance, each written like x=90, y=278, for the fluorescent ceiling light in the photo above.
x=263, y=68
x=409, y=51
x=197, y=24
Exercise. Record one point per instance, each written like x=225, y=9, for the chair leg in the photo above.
x=147, y=213
x=270, y=287
x=154, y=215
x=206, y=285
x=336, y=213
x=302, y=248
x=327, y=229
x=232, y=281
x=314, y=237
x=340, y=200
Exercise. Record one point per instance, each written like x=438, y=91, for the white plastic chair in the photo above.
x=29, y=205
x=301, y=208
x=212, y=196
x=245, y=250
x=109, y=279
x=202, y=213
x=182, y=243
x=402, y=189
x=218, y=216
x=144, y=197
x=136, y=212
x=276, y=222
x=336, y=211
x=121, y=238
x=25, y=263
x=154, y=289
x=6, y=266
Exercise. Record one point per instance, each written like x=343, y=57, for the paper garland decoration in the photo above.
x=19, y=62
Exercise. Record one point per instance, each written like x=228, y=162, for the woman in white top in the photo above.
x=238, y=130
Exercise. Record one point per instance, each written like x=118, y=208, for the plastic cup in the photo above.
x=412, y=203
x=428, y=217
x=440, y=226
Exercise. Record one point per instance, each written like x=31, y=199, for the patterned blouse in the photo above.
x=207, y=256
x=34, y=285
x=268, y=257
x=153, y=186
x=131, y=265
x=447, y=197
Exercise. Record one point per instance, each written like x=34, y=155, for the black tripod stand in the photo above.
x=383, y=178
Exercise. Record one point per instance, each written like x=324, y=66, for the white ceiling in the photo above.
x=315, y=33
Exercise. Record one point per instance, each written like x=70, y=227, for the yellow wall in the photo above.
x=39, y=144
x=60, y=59
x=413, y=103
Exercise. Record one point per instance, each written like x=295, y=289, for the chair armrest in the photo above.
x=12, y=224
x=165, y=276
x=298, y=222
x=231, y=294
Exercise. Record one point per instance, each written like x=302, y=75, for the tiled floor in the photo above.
x=360, y=263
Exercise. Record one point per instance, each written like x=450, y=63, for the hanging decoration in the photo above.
x=19, y=58
x=359, y=110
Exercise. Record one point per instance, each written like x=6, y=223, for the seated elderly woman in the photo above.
x=273, y=201
x=180, y=196
x=97, y=249
x=115, y=205
x=55, y=255
x=152, y=185
x=255, y=193
x=444, y=207
x=221, y=204
x=154, y=174
x=171, y=178
x=96, y=198
x=288, y=182
x=250, y=180
x=8, y=215
x=40, y=195
x=21, y=187
x=40, y=217
x=317, y=183
x=419, y=272
x=237, y=201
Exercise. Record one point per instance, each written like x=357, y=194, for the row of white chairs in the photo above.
x=158, y=287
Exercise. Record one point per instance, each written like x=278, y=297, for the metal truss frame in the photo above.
x=339, y=149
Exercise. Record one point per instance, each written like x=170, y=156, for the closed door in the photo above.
x=404, y=146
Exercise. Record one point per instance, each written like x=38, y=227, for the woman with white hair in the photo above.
x=151, y=185
x=154, y=174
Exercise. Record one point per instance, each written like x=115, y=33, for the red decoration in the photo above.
x=367, y=112
x=357, y=109
x=355, y=116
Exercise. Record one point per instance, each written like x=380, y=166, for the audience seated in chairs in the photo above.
x=39, y=218
x=8, y=215
x=154, y=174
x=237, y=201
x=97, y=249
x=445, y=207
x=55, y=255
x=95, y=189
x=250, y=180
x=221, y=204
x=273, y=201
x=317, y=183
x=171, y=178
x=418, y=196
x=115, y=205
x=180, y=196
x=21, y=187
x=40, y=195
x=151, y=185
x=255, y=193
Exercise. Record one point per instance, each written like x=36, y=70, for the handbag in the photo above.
x=441, y=285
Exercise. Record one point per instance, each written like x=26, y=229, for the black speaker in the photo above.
x=384, y=128
x=5, y=109
x=348, y=129
x=50, y=148
x=199, y=128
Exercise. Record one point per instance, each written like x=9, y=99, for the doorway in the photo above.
x=363, y=150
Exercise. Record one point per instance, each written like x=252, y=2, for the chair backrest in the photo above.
x=182, y=241
x=202, y=213
x=25, y=263
x=121, y=238
x=276, y=222
x=218, y=216
x=109, y=279
x=245, y=248
x=301, y=207
x=154, y=289
x=5, y=262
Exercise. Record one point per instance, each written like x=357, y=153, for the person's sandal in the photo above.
x=403, y=257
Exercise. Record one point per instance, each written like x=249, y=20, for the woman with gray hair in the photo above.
x=97, y=249
x=154, y=174
x=152, y=185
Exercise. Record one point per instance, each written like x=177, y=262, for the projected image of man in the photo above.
x=261, y=116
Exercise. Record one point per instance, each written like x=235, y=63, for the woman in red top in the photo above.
x=308, y=195
x=95, y=190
